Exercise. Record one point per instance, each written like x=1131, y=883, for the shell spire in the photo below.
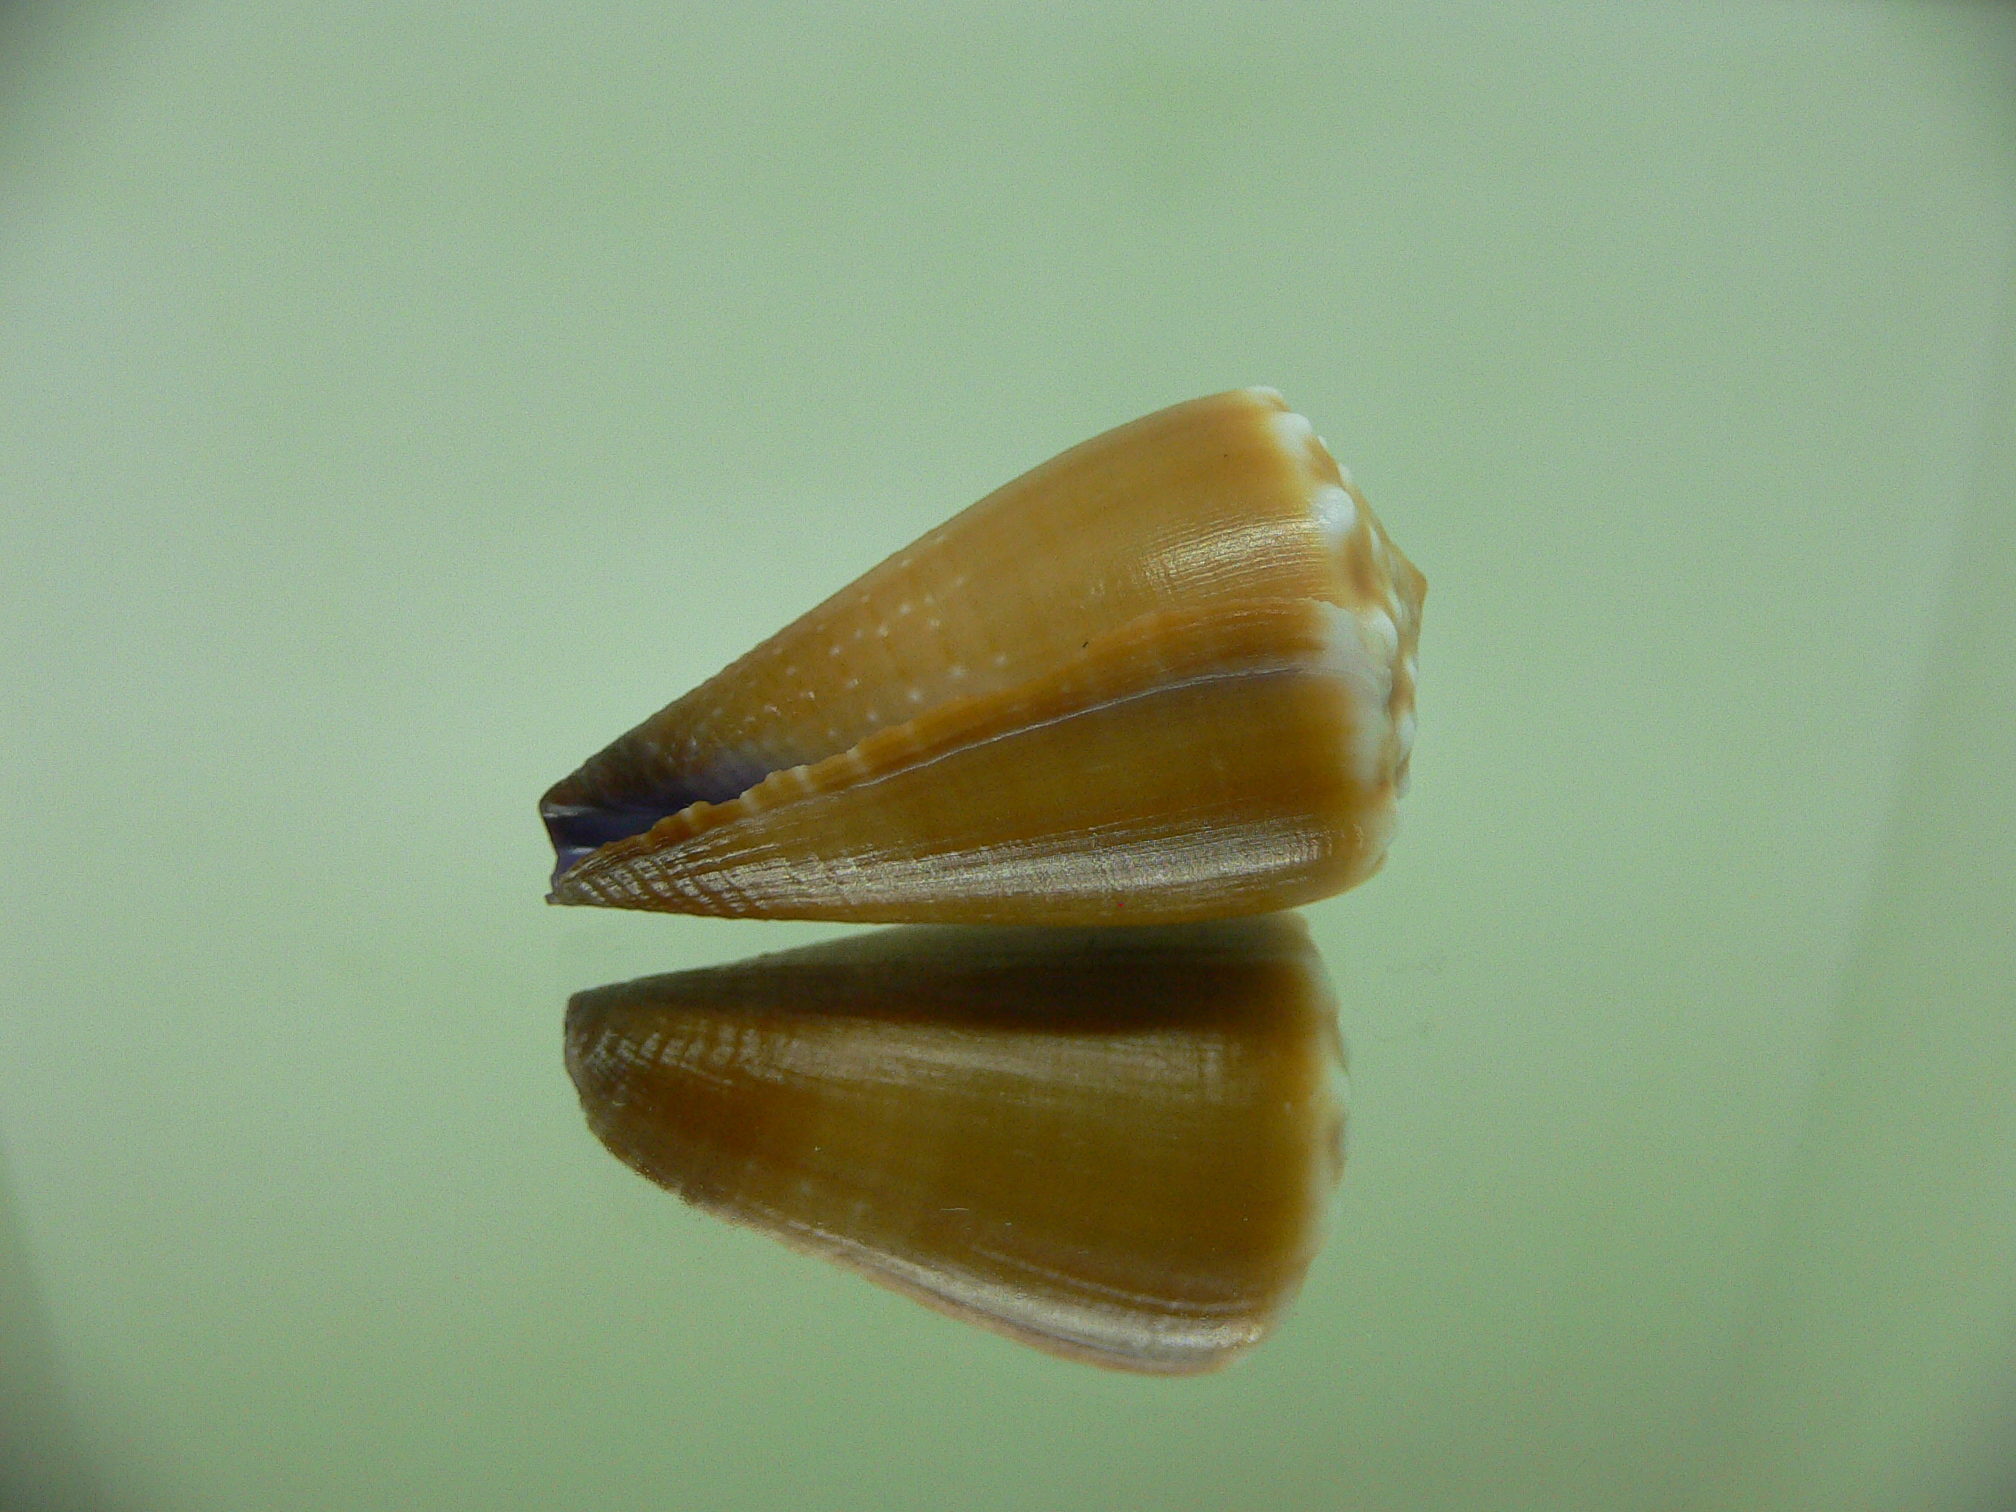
x=1167, y=675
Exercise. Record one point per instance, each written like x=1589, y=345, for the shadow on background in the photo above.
x=1116, y=1145
x=1882, y=1369
x=41, y=1469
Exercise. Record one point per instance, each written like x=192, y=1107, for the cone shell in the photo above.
x=1115, y=1145
x=1167, y=676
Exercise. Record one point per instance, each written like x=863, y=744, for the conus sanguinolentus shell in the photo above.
x=1115, y=1145
x=1168, y=675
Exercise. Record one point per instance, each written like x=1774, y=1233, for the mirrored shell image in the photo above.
x=1166, y=676
x=1114, y=1145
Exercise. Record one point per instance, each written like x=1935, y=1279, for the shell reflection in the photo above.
x=1115, y=1145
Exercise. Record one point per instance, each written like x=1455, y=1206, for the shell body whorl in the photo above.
x=1167, y=675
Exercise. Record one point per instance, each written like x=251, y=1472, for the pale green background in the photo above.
x=397, y=401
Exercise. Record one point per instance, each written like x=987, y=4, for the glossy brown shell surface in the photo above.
x=1167, y=675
